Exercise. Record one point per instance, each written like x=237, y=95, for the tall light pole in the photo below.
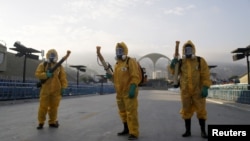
x=102, y=80
x=240, y=54
x=78, y=68
x=27, y=53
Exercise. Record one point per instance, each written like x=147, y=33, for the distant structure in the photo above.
x=154, y=57
x=213, y=76
x=3, y=58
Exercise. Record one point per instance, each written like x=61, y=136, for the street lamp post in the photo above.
x=78, y=68
x=240, y=54
x=26, y=52
x=248, y=76
x=102, y=80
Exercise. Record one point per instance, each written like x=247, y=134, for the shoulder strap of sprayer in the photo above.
x=128, y=60
x=44, y=65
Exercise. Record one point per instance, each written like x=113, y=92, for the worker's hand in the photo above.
x=62, y=91
x=204, y=91
x=49, y=74
x=177, y=85
x=132, y=89
x=173, y=62
x=109, y=76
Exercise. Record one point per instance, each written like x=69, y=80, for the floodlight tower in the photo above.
x=240, y=54
x=26, y=52
x=78, y=68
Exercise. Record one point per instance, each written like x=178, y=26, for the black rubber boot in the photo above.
x=203, y=128
x=125, y=130
x=40, y=126
x=132, y=137
x=188, y=128
x=54, y=125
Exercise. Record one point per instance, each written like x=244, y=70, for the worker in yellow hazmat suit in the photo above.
x=51, y=91
x=126, y=80
x=194, y=83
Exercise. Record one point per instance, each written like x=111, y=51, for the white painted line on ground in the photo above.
x=214, y=101
x=246, y=108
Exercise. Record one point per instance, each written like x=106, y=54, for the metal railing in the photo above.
x=17, y=90
x=230, y=92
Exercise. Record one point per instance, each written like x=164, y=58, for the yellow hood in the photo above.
x=124, y=46
x=189, y=42
x=52, y=51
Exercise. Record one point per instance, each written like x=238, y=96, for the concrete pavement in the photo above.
x=95, y=118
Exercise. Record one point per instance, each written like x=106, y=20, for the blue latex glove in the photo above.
x=49, y=74
x=204, y=91
x=173, y=62
x=109, y=76
x=132, y=89
x=62, y=91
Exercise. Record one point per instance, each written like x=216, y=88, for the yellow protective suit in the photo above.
x=124, y=75
x=193, y=76
x=50, y=92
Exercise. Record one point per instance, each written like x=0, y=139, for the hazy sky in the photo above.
x=216, y=27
